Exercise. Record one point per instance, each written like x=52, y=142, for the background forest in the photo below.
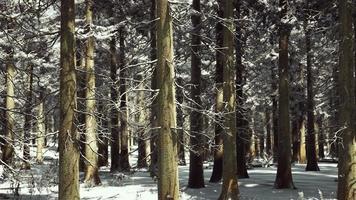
x=183, y=99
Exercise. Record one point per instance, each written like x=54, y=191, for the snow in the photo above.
x=41, y=183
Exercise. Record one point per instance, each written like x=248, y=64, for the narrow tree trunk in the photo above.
x=268, y=132
x=312, y=162
x=196, y=173
x=229, y=186
x=41, y=128
x=141, y=119
x=8, y=147
x=168, y=185
x=115, y=132
x=103, y=142
x=28, y=119
x=180, y=122
x=91, y=127
x=218, y=149
x=241, y=122
x=274, y=116
x=68, y=137
x=347, y=156
x=124, y=129
x=284, y=173
x=321, y=141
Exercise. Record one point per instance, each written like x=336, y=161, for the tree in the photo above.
x=229, y=185
x=68, y=144
x=312, y=163
x=284, y=172
x=91, y=136
x=241, y=121
x=168, y=186
x=28, y=119
x=347, y=148
x=41, y=129
x=8, y=148
x=218, y=141
x=196, y=173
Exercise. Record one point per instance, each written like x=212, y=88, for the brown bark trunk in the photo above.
x=141, y=132
x=68, y=137
x=218, y=149
x=28, y=119
x=284, y=172
x=196, y=173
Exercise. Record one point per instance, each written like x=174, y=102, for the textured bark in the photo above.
x=8, y=148
x=284, y=173
x=229, y=186
x=196, y=173
x=141, y=120
x=41, y=128
x=168, y=185
x=115, y=139
x=124, y=129
x=154, y=86
x=302, y=156
x=312, y=162
x=68, y=137
x=180, y=122
x=241, y=122
x=218, y=148
x=91, y=137
x=28, y=119
x=347, y=147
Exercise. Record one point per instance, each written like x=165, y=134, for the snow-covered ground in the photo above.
x=40, y=183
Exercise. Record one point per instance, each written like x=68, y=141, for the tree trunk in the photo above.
x=241, y=122
x=8, y=147
x=196, y=173
x=141, y=119
x=28, y=119
x=115, y=132
x=168, y=185
x=321, y=141
x=312, y=162
x=218, y=148
x=124, y=129
x=347, y=156
x=91, y=137
x=154, y=86
x=274, y=116
x=68, y=137
x=41, y=128
x=180, y=122
x=284, y=173
x=302, y=158
x=229, y=186
x=103, y=137
x=268, y=132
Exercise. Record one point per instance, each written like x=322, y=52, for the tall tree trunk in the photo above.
x=274, y=115
x=302, y=158
x=103, y=142
x=241, y=122
x=68, y=137
x=141, y=119
x=154, y=86
x=284, y=172
x=80, y=66
x=91, y=127
x=124, y=129
x=312, y=162
x=168, y=185
x=41, y=127
x=229, y=186
x=268, y=131
x=347, y=156
x=180, y=122
x=8, y=147
x=321, y=141
x=218, y=141
x=115, y=139
x=28, y=119
x=196, y=173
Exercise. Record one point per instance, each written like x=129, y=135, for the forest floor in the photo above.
x=40, y=183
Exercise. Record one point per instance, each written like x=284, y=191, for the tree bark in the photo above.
x=28, y=119
x=41, y=128
x=141, y=119
x=312, y=162
x=68, y=137
x=168, y=185
x=180, y=123
x=8, y=147
x=229, y=186
x=218, y=141
x=124, y=129
x=347, y=147
x=284, y=174
x=196, y=173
